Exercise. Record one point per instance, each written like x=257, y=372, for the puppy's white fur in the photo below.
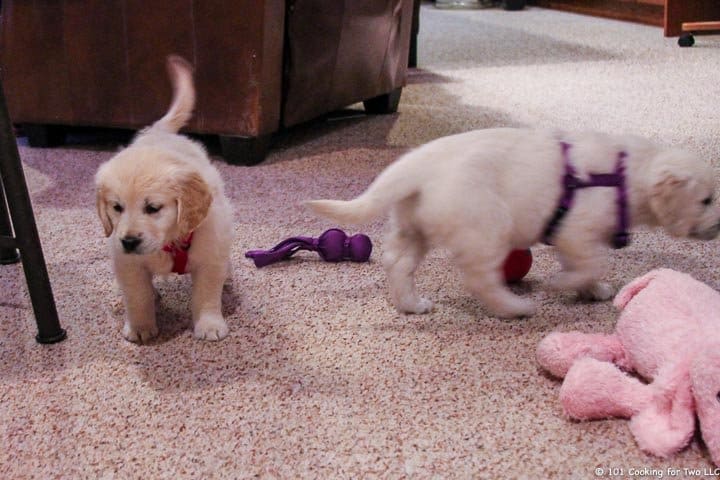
x=483, y=193
x=157, y=191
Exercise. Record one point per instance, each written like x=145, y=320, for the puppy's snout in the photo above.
x=130, y=243
x=708, y=234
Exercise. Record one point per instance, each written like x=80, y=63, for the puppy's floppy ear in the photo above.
x=101, y=205
x=194, y=199
x=668, y=198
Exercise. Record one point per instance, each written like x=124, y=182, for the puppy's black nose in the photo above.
x=130, y=243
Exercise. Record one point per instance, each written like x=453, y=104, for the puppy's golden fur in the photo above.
x=155, y=193
x=483, y=193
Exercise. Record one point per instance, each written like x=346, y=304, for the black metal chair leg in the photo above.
x=8, y=255
x=26, y=237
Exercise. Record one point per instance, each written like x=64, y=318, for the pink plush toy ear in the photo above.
x=633, y=288
x=662, y=413
x=667, y=424
x=557, y=352
x=595, y=389
x=705, y=378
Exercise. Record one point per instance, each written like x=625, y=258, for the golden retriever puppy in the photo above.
x=162, y=204
x=484, y=193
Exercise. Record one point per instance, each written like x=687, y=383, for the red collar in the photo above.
x=179, y=253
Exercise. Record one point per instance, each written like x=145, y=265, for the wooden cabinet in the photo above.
x=669, y=14
x=678, y=12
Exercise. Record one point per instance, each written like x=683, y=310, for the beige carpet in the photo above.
x=320, y=377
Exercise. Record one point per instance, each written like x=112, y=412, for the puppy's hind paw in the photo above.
x=516, y=308
x=211, y=327
x=139, y=335
x=598, y=292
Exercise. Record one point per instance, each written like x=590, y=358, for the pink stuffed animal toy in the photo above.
x=668, y=333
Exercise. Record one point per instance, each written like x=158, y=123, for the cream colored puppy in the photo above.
x=483, y=193
x=162, y=204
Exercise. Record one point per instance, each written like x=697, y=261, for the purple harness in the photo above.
x=571, y=183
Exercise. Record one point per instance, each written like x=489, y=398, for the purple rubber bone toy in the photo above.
x=332, y=246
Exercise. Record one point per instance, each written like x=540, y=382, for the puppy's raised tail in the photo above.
x=183, y=101
x=392, y=186
x=357, y=211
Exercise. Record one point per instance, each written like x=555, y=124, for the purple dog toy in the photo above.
x=332, y=246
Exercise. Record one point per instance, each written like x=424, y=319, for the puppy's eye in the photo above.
x=150, y=209
x=707, y=201
x=118, y=208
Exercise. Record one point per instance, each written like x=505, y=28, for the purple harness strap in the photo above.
x=571, y=183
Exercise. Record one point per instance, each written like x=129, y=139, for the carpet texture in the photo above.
x=320, y=377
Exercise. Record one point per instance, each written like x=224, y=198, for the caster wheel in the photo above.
x=686, y=40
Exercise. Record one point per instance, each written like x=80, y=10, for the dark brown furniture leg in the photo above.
x=44, y=136
x=383, y=104
x=26, y=238
x=245, y=150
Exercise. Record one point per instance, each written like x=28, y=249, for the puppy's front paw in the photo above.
x=139, y=334
x=211, y=327
x=421, y=305
x=598, y=292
